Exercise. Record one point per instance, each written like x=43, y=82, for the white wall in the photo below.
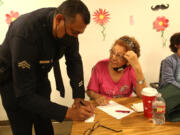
x=93, y=48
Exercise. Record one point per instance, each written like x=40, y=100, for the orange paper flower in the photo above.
x=11, y=17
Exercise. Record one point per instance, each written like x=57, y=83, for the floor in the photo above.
x=63, y=128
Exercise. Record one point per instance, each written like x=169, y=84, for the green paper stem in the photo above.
x=163, y=39
x=1, y=2
x=103, y=32
x=162, y=33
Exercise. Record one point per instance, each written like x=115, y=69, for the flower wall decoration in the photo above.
x=160, y=24
x=101, y=17
x=1, y=2
x=131, y=20
x=12, y=16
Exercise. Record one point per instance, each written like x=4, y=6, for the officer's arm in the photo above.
x=24, y=70
x=75, y=69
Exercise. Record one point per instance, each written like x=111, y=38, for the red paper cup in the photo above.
x=148, y=95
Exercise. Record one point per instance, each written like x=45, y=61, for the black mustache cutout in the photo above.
x=162, y=6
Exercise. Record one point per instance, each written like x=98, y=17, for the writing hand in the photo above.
x=79, y=114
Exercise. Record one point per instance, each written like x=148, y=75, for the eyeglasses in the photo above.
x=95, y=126
x=116, y=55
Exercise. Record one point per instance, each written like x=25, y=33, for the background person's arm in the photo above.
x=167, y=73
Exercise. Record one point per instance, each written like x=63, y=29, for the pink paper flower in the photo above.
x=161, y=23
x=131, y=20
x=11, y=17
x=101, y=17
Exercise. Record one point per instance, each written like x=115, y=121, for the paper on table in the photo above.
x=138, y=107
x=112, y=107
x=91, y=119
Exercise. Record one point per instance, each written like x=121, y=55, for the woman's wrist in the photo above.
x=140, y=82
x=93, y=95
x=136, y=66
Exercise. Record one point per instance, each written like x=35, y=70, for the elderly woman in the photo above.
x=119, y=75
x=170, y=66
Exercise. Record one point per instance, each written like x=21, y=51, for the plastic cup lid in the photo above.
x=148, y=91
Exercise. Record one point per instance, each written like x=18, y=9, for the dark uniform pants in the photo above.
x=22, y=120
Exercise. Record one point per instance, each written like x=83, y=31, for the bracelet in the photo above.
x=141, y=81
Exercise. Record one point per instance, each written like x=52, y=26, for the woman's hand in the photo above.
x=102, y=100
x=132, y=58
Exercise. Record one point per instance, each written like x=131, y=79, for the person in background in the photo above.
x=119, y=75
x=33, y=45
x=170, y=66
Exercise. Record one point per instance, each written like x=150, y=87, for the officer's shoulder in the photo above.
x=28, y=24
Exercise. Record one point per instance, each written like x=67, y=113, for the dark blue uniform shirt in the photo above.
x=30, y=49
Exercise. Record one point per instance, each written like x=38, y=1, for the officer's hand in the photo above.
x=79, y=114
x=102, y=100
x=79, y=102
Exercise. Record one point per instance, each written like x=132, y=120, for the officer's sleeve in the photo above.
x=75, y=69
x=24, y=70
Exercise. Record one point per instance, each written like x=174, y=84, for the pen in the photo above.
x=122, y=111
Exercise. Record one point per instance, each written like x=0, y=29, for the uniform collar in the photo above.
x=50, y=20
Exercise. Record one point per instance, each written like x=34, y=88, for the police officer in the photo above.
x=33, y=45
